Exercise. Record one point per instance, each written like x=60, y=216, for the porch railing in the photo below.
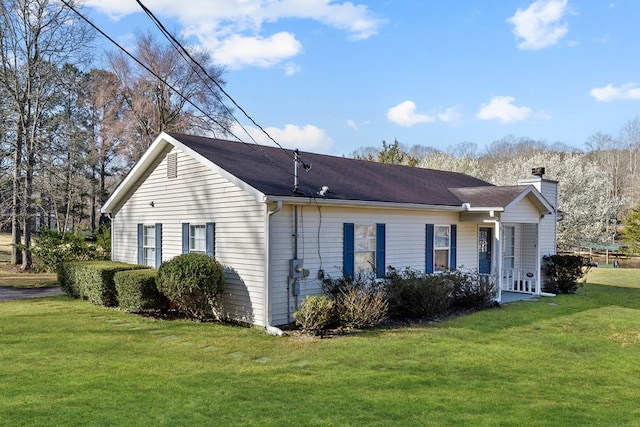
x=519, y=281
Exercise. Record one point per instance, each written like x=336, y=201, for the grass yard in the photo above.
x=568, y=360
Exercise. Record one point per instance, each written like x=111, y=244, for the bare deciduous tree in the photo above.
x=152, y=107
x=38, y=37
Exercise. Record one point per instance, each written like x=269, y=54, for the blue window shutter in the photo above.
x=185, y=237
x=349, y=250
x=140, y=240
x=211, y=239
x=380, y=250
x=158, y=244
x=453, y=237
x=429, y=250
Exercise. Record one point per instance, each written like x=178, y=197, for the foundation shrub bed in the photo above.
x=137, y=291
x=315, y=314
x=194, y=282
x=359, y=303
x=413, y=294
x=473, y=291
x=92, y=280
x=365, y=301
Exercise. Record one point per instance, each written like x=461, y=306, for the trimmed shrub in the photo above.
x=361, y=306
x=66, y=272
x=472, y=291
x=137, y=291
x=359, y=302
x=315, y=313
x=92, y=280
x=193, y=281
x=414, y=294
x=562, y=272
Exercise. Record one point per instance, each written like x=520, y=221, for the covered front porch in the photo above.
x=514, y=264
x=516, y=228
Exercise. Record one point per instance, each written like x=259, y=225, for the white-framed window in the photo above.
x=365, y=248
x=197, y=238
x=149, y=245
x=441, y=247
x=509, y=251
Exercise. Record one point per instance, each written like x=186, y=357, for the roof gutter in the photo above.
x=267, y=322
x=363, y=204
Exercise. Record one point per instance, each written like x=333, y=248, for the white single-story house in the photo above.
x=280, y=220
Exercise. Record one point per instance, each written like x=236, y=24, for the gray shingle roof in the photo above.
x=271, y=171
x=489, y=196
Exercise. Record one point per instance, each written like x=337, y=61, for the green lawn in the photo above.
x=568, y=360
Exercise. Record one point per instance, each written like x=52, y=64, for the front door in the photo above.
x=484, y=250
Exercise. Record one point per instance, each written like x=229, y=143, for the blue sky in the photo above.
x=333, y=76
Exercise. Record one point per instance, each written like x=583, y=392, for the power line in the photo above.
x=224, y=127
x=192, y=62
x=179, y=46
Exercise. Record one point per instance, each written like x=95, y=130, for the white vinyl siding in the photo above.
x=320, y=245
x=522, y=212
x=199, y=195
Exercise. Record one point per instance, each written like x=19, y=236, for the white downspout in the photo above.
x=267, y=322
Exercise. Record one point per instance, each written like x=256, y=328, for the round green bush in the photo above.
x=194, y=282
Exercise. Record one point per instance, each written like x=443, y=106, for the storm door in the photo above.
x=484, y=250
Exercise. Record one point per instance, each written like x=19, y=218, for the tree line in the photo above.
x=598, y=186
x=70, y=131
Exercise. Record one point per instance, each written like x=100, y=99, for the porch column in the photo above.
x=498, y=257
x=538, y=263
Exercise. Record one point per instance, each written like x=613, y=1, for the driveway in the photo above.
x=22, y=293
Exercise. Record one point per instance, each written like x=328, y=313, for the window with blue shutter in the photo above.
x=348, y=263
x=429, y=249
x=199, y=238
x=158, y=246
x=380, y=250
x=150, y=245
x=364, y=249
x=140, y=244
x=453, y=235
x=441, y=248
x=185, y=237
x=211, y=239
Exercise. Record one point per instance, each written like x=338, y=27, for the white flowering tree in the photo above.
x=583, y=194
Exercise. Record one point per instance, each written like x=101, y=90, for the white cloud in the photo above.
x=450, y=115
x=613, y=93
x=501, y=108
x=404, y=114
x=291, y=68
x=237, y=51
x=307, y=137
x=223, y=25
x=357, y=125
x=540, y=25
